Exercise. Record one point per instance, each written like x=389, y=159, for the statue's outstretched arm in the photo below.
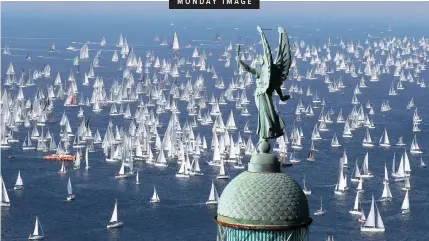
x=246, y=67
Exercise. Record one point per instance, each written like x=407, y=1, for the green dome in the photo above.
x=263, y=197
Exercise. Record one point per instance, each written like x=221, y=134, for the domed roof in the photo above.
x=263, y=198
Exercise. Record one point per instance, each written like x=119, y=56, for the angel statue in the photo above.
x=269, y=78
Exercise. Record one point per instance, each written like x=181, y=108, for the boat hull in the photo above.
x=71, y=197
x=319, y=212
x=4, y=204
x=222, y=177
x=115, y=225
x=365, y=229
x=355, y=212
x=182, y=175
x=35, y=237
x=212, y=202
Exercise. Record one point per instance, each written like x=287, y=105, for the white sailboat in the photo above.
x=214, y=196
x=305, y=189
x=155, y=197
x=386, y=195
x=19, y=185
x=422, y=164
x=400, y=142
x=355, y=210
x=374, y=222
x=63, y=169
x=321, y=211
x=384, y=139
x=121, y=173
x=137, y=179
x=4, y=197
x=70, y=195
x=367, y=141
x=360, y=186
x=407, y=185
x=415, y=149
x=87, y=167
x=405, y=204
x=36, y=235
x=335, y=142
x=114, y=223
x=183, y=171
x=222, y=174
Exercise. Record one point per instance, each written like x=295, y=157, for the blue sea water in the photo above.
x=182, y=213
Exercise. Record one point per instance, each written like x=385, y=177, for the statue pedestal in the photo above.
x=264, y=161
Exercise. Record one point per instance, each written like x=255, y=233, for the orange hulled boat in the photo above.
x=56, y=157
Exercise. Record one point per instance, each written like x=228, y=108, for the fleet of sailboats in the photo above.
x=146, y=103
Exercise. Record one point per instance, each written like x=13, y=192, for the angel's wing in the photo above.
x=263, y=81
x=283, y=59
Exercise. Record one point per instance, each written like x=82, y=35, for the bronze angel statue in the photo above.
x=269, y=78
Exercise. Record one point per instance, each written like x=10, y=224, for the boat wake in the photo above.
x=46, y=57
x=34, y=38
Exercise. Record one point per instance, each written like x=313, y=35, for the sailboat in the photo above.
x=19, y=185
x=36, y=235
x=384, y=139
x=310, y=156
x=114, y=223
x=415, y=149
x=87, y=167
x=355, y=209
x=183, y=171
x=239, y=164
x=155, y=197
x=306, y=191
x=70, y=195
x=214, y=197
x=422, y=164
x=373, y=223
x=137, y=179
x=360, y=186
x=367, y=141
x=222, y=174
x=407, y=185
x=405, y=204
x=121, y=173
x=321, y=211
x=4, y=197
x=386, y=195
x=335, y=142
x=63, y=169
x=400, y=142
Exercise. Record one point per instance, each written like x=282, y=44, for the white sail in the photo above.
x=19, y=181
x=155, y=197
x=175, y=45
x=214, y=197
x=69, y=187
x=36, y=227
x=406, y=202
x=114, y=217
x=4, y=197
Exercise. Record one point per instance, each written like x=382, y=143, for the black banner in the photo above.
x=214, y=4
